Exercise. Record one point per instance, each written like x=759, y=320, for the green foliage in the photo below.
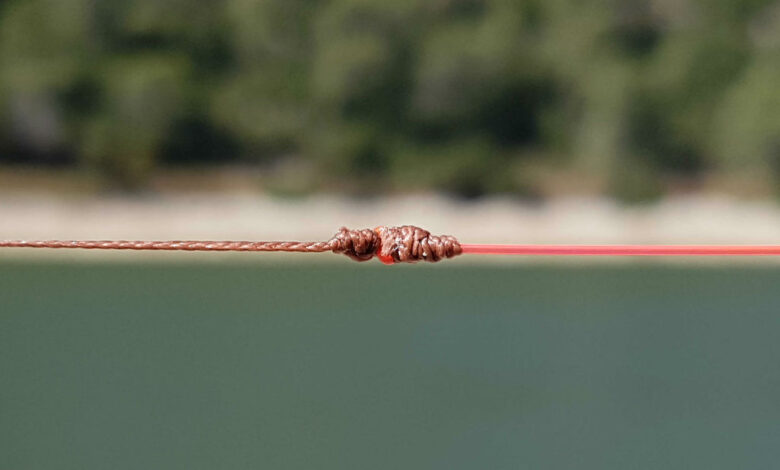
x=375, y=95
x=465, y=166
x=141, y=101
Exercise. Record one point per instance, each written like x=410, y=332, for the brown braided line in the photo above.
x=404, y=244
x=180, y=245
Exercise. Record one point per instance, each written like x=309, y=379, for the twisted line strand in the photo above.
x=175, y=245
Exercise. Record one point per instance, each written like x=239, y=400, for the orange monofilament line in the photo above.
x=623, y=250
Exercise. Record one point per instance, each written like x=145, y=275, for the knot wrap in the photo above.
x=409, y=244
x=404, y=244
x=360, y=245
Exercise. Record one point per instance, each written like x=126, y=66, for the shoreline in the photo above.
x=676, y=220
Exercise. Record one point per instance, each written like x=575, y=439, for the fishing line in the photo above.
x=403, y=244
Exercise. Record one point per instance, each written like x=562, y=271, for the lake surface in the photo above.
x=194, y=366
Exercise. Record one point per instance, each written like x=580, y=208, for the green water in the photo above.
x=363, y=366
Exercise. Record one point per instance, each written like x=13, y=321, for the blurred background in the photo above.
x=630, y=99
x=497, y=121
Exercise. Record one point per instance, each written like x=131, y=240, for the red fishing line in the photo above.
x=622, y=250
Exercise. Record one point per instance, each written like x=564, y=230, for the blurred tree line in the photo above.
x=465, y=96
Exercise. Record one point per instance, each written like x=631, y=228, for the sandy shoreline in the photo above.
x=703, y=220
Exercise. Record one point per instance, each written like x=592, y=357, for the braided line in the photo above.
x=176, y=245
x=405, y=244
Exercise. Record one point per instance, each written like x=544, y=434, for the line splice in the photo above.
x=404, y=244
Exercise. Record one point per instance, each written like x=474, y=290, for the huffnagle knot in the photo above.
x=360, y=245
x=404, y=244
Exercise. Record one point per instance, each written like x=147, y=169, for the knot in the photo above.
x=360, y=245
x=408, y=244
x=404, y=244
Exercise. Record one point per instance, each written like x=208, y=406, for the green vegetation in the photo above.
x=386, y=95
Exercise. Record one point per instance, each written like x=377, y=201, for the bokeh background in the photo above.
x=498, y=121
x=630, y=99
